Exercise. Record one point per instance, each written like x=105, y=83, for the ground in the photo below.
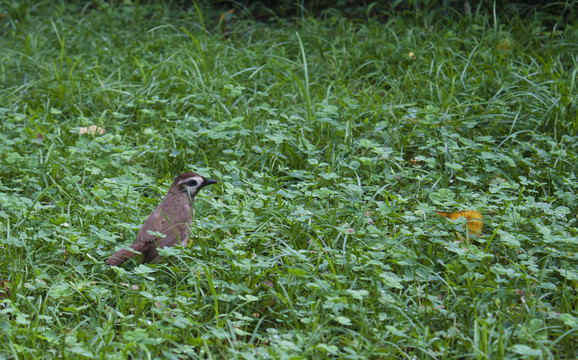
x=337, y=138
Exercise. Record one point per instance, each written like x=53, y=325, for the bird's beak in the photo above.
x=210, y=182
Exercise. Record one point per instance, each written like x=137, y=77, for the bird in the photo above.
x=171, y=218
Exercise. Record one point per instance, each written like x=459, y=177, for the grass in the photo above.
x=335, y=142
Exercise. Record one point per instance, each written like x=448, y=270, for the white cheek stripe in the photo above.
x=189, y=179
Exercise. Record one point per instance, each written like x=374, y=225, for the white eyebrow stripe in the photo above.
x=188, y=179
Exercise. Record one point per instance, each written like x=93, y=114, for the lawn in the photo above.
x=336, y=137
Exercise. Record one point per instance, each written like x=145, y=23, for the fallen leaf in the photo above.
x=415, y=162
x=226, y=15
x=4, y=289
x=497, y=181
x=504, y=44
x=473, y=217
x=92, y=130
x=4, y=294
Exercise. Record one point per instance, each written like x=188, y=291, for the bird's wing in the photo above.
x=159, y=223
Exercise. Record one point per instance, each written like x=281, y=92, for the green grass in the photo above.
x=333, y=145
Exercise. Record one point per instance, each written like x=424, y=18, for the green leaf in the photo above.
x=61, y=291
x=249, y=298
x=358, y=294
x=331, y=349
x=296, y=271
x=443, y=197
x=569, y=320
x=343, y=320
x=391, y=280
x=525, y=350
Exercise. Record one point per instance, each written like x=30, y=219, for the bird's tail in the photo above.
x=121, y=256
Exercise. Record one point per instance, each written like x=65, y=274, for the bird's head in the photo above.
x=191, y=183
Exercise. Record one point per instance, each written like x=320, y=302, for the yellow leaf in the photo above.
x=226, y=15
x=473, y=217
x=504, y=44
x=92, y=130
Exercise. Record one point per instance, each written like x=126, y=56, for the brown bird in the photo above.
x=171, y=218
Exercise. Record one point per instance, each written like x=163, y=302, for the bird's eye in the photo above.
x=192, y=183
